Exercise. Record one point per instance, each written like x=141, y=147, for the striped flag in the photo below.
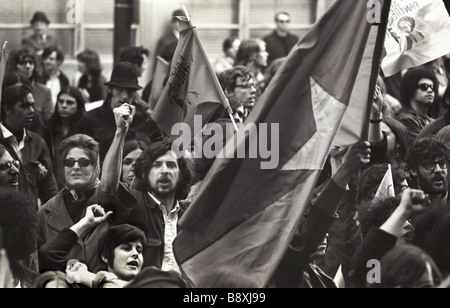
x=192, y=88
x=244, y=217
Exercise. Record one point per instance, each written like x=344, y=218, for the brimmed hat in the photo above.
x=124, y=75
x=39, y=16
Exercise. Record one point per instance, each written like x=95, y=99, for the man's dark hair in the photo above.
x=12, y=95
x=144, y=163
x=51, y=49
x=426, y=150
x=410, y=82
x=374, y=215
x=133, y=55
x=116, y=236
x=17, y=56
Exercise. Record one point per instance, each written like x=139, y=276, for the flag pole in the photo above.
x=4, y=46
x=186, y=12
x=229, y=111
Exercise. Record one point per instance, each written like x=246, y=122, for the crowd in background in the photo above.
x=91, y=193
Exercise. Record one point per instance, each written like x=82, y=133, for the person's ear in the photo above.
x=414, y=172
x=104, y=259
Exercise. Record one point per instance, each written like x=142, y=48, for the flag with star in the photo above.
x=244, y=216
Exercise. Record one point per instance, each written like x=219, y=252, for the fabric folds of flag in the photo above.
x=192, y=87
x=418, y=32
x=2, y=73
x=244, y=217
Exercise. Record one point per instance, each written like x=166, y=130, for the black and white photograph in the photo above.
x=230, y=149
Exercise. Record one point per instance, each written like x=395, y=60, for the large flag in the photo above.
x=244, y=216
x=192, y=87
x=159, y=80
x=418, y=32
x=2, y=73
x=386, y=188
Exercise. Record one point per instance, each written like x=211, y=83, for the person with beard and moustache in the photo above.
x=428, y=162
x=36, y=172
x=162, y=181
x=100, y=123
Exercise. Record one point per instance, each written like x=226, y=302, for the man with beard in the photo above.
x=428, y=163
x=162, y=180
x=36, y=170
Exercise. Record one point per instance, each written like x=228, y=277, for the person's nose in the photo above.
x=438, y=168
x=164, y=169
x=14, y=170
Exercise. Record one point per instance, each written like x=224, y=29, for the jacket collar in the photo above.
x=57, y=217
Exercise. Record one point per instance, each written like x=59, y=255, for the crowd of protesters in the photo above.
x=91, y=192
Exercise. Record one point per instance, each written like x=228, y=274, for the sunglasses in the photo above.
x=82, y=162
x=424, y=87
x=284, y=21
x=6, y=167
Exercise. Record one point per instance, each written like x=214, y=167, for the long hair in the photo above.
x=18, y=222
x=92, y=61
x=403, y=266
x=55, y=120
x=17, y=56
x=246, y=50
x=401, y=135
x=150, y=155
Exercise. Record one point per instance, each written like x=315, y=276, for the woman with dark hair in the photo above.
x=63, y=123
x=17, y=236
x=408, y=266
x=79, y=156
x=92, y=82
x=131, y=152
x=23, y=63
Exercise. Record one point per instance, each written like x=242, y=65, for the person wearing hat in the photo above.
x=40, y=39
x=100, y=124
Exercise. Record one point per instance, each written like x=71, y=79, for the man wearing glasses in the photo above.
x=428, y=164
x=419, y=89
x=36, y=171
x=280, y=42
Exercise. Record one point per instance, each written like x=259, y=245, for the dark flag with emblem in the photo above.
x=192, y=87
x=244, y=217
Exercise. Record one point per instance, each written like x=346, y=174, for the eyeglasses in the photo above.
x=284, y=21
x=431, y=166
x=246, y=85
x=424, y=87
x=82, y=162
x=6, y=167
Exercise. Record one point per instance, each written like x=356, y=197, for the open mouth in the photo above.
x=134, y=264
x=13, y=182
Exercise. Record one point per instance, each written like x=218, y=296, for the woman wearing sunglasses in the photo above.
x=70, y=106
x=79, y=156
